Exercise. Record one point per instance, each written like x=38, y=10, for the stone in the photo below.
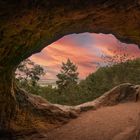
x=27, y=26
x=120, y=94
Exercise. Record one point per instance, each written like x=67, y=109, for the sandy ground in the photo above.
x=106, y=123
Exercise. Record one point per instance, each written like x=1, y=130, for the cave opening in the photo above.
x=102, y=62
x=34, y=24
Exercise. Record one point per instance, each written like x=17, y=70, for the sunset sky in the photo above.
x=85, y=50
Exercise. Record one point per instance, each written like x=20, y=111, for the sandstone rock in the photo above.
x=42, y=108
x=54, y=113
x=27, y=26
x=130, y=133
x=122, y=93
x=119, y=94
x=36, y=114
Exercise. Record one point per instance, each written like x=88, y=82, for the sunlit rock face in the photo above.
x=27, y=26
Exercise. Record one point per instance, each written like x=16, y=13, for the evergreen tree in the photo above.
x=68, y=75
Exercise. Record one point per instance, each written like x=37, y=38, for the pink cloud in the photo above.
x=84, y=50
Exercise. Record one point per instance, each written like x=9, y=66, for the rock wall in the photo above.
x=27, y=26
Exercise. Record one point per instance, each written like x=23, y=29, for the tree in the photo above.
x=119, y=56
x=28, y=72
x=68, y=75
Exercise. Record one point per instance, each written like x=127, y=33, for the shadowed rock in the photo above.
x=27, y=26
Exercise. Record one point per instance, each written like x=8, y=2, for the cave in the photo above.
x=26, y=27
x=96, y=52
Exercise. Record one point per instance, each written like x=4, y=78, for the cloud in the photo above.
x=85, y=50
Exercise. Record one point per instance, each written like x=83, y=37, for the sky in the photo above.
x=85, y=50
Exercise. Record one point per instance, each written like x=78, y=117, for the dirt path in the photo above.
x=106, y=123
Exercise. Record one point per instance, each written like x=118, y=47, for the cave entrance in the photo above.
x=33, y=25
x=102, y=62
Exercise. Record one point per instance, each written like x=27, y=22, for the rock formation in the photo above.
x=45, y=116
x=120, y=94
x=27, y=26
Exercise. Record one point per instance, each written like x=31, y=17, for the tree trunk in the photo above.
x=7, y=100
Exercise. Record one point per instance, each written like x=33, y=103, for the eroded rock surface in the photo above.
x=27, y=26
x=120, y=94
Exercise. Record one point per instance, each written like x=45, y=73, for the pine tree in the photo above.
x=68, y=75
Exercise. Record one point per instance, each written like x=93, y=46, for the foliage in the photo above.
x=28, y=73
x=107, y=77
x=93, y=86
x=68, y=75
x=97, y=83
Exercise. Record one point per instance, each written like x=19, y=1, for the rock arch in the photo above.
x=27, y=26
